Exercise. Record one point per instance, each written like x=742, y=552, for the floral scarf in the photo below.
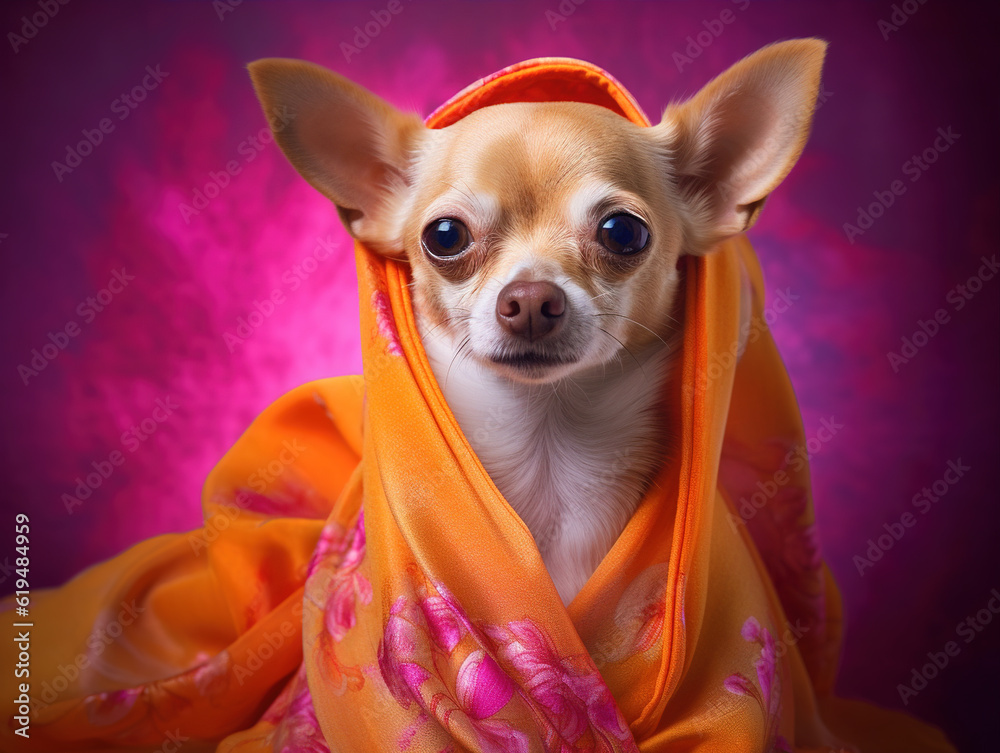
x=359, y=584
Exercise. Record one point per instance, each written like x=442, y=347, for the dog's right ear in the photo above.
x=352, y=146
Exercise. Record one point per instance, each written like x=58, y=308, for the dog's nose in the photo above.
x=531, y=309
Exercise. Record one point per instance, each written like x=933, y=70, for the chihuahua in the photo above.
x=543, y=241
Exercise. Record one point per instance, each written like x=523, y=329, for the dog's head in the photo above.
x=544, y=238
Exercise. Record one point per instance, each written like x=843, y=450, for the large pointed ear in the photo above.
x=352, y=146
x=734, y=141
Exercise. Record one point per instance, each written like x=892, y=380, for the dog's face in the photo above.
x=544, y=238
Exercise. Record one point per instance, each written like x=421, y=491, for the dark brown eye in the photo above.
x=446, y=237
x=623, y=234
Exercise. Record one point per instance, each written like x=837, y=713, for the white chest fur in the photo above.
x=572, y=458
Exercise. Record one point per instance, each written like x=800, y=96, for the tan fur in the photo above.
x=528, y=170
x=571, y=443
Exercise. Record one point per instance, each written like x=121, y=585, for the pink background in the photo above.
x=163, y=335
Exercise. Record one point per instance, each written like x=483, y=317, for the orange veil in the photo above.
x=359, y=584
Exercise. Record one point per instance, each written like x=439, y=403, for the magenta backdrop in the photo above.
x=64, y=233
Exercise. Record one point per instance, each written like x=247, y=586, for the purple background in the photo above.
x=163, y=335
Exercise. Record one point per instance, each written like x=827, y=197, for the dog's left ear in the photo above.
x=737, y=139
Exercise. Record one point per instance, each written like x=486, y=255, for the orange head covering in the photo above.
x=360, y=584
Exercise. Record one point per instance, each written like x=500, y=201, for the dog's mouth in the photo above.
x=531, y=359
x=531, y=364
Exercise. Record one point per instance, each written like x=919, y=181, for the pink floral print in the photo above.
x=346, y=589
x=483, y=688
x=212, y=676
x=567, y=695
x=297, y=729
x=575, y=703
x=385, y=322
x=768, y=680
x=787, y=542
x=109, y=708
x=292, y=497
x=418, y=635
x=639, y=618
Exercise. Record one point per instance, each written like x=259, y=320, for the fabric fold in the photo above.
x=360, y=584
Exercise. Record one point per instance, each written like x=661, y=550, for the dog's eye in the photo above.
x=446, y=237
x=623, y=234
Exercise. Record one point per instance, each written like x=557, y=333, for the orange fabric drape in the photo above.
x=360, y=584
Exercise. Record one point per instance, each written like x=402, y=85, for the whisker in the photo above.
x=452, y=185
x=458, y=352
x=625, y=349
x=448, y=320
x=640, y=324
x=580, y=388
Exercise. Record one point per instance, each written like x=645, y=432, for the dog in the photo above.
x=543, y=241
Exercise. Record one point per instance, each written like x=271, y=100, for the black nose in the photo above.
x=531, y=310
